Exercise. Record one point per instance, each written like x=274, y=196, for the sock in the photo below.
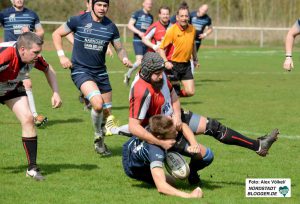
x=198, y=164
x=134, y=67
x=234, y=138
x=228, y=136
x=122, y=130
x=31, y=102
x=30, y=147
x=97, y=121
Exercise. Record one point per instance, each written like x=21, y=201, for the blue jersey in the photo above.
x=199, y=22
x=13, y=21
x=91, y=40
x=141, y=154
x=142, y=22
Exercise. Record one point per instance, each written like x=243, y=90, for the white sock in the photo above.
x=31, y=102
x=97, y=121
x=134, y=67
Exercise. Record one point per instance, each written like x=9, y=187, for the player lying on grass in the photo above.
x=144, y=161
x=151, y=94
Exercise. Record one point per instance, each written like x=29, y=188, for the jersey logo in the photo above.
x=12, y=17
x=88, y=28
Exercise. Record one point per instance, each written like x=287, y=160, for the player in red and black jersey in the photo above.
x=14, y=64
x=152, y=94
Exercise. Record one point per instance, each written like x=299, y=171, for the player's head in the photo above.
x=152, y=69
x=29, y=46
x=182, y=15
x=164, y=14
x=203, y=9
x=147, y=5
x=162, y=127
x=18, y=3
x=100, y=8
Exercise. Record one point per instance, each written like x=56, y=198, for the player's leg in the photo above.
x=92, y=93
x=226, y=135
x=22, y=111
x=187, y=79
x=38, y=119
x=188, y=88
x=139, y=50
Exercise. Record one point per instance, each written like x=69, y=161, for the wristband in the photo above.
x=124, y=58
x=288, y=56
x=60, y=53
x=204, y=34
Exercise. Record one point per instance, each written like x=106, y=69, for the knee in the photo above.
x=97, y=107
x=208, y=157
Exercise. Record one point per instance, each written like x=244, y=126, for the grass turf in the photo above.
x=244, y=88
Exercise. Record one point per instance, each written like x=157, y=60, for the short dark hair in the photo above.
x=183, y=6
x=164, y=7
x=27, y=39
x=160, y=125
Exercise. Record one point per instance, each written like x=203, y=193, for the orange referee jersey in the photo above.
x=182, y=41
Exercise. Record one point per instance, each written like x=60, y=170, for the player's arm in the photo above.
x=177, y=109
x=121, y=52
x=39, y=31
x=139, y=131
x=162, y=186
x=289, y=42
x=52, y=81
x=131, y=27
x=168, y=39
x=209, y=30
x=57, y=36
x=147, y=39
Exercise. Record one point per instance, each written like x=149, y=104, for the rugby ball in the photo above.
x=176, y=165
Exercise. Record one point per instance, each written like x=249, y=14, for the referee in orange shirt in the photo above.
x=178, y=68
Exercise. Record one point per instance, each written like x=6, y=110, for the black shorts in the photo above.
x=180, y=71
x=17, y=92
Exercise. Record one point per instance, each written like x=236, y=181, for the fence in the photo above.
x=260, y=31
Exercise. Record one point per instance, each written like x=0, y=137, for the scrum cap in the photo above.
x=151, y=63
x=95, y=1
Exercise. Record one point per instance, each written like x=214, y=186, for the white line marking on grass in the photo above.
x=290, y=137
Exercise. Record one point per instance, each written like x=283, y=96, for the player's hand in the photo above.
x=197, y=193
x=196, y=63
x=65, y=62
x=141, y=34
x=177, y=122
x=168, y=65
x=110, y=53
x=194, y=149
x=288, y=64
x=167, y=144
x=56, y=100
x=25, y=29
x=202, y=35
x=126, y=62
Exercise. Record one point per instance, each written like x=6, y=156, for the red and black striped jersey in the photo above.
x=145, y=101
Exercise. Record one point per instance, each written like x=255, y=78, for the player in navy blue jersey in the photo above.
x=288, y=64
x=93, y=31
x=201, y=21
x=144, y=161
x=138, y=24
x=15, y=21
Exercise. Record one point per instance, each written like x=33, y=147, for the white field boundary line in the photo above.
x=204, y=72
x=290, y=137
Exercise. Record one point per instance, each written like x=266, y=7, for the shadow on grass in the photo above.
x=52, y=168
x=70, y=120
x=190, y=102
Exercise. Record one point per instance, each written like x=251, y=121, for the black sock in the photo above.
x=229, y=136
x=234, y=138
x=30, y=147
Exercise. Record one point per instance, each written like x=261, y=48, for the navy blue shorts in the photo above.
x=100, y=78
x=139, y=48
x=17, y=92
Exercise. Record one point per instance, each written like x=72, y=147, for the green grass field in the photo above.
x=244, y=88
